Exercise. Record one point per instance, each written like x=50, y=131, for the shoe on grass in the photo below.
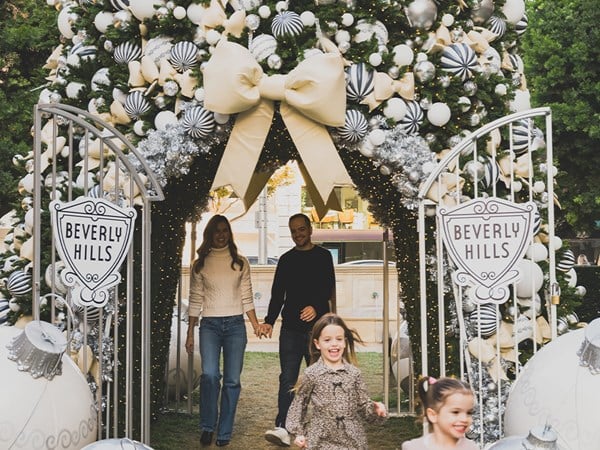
x=278, y=436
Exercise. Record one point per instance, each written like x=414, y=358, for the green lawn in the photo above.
x=258, y=406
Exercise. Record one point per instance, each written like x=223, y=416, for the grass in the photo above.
x=258, y=406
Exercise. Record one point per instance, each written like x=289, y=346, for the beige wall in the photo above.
x=359, y=298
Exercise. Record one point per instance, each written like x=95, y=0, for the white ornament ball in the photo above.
x=73, y=89
x=366, y=148
x=532, y=278
x=163, y=119
x=439, y=114
x=377, y=137
x=194, y=13
x=264, y=11
x=307, y=18
x=281, y=6
x=375, y=59
x=521, y=102
x=347, y=19
x=556, y=387
x=64, y=22
x=537, y=252
x=221, y=118
x=342, y=36
x=212, y=37
x=102, y=21
x=557, y=241
x=199, y=94
x=179, y=12
x=403, y=55
x=32, y=417
x=447, y=19
x=539, y=187
x=501, y=89
x=395, y=109
x=263, y=46
x=143, y=9
x=138, y=128
x=514, y=10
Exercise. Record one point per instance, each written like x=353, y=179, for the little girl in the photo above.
x=448, y=406
x=333, y=388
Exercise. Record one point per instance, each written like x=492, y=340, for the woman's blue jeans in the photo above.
x=228, y=334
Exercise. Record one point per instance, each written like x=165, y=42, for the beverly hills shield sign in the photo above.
x=93, y=238
x=485, y=239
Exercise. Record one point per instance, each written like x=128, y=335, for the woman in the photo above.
x=220, y=290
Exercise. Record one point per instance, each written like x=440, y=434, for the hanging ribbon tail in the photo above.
x=324, y=167
x=243, y=149
x=257, y=183
x=321, y=207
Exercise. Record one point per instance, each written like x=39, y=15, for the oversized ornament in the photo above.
x=355, y=126
x=36, y=379
x=286, y=23
x=541, y=437
x=421, y=14
x=460, y=60
x=531, y=278
x=413, y=118
x=144, y=9
x=359, y=82
x=485, y=320
x=158, y=48
x=513, y=10
x=198, y=122
x=116, y=444
x=126, y=52
x=560, y=385
x=183, y=56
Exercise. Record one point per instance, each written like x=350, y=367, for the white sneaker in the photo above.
x=278, y=436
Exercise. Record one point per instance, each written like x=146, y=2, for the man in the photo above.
x=303, y=290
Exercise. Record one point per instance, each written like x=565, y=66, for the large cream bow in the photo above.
x=312, y=95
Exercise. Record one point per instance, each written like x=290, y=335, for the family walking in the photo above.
x=324, y=409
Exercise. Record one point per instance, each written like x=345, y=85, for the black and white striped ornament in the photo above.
x=491, y=173
x=497, y=26
x=355, y=126
x=198, y=122
x=18, y=283
x=359, y=82
x=85, y=52
x=286, y=23
x=412, y=120
x=521, y=25
x=184, y=56
x=136, y=105
x=537, y=222
x=566, y=260
x=460, y=60
x=127, y=52
x=516, y=62
x=523, y=134
x=485, y=319
x=4, y=310
x=119, y=5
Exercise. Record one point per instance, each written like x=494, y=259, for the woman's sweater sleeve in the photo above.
x=246, y=288
x=196, y=297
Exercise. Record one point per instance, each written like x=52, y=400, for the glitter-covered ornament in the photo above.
x=184, y=56
x=355, y=127
x=359, y=82
x=286, y=23
x=263, y=46
x=460, y=60
x=198, y=122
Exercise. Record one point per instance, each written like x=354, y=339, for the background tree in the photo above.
x=561, y=53
x=27, y=36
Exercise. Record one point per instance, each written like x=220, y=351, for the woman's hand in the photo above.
x=189, y=343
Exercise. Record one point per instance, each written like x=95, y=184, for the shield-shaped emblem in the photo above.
x=93, y=238
x=485, y=238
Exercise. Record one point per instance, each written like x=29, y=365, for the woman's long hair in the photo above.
x=351, y=336
x=207, y=240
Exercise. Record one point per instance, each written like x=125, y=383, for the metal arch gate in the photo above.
x=75, y=151
x=444, y=186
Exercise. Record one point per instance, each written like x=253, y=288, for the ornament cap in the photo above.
x=589, y=352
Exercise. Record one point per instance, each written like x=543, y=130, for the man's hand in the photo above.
x=265, y=330
x=308, y=314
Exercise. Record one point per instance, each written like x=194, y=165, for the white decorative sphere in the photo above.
x=143, y=9
x=264, y=11
x=64, y=22
x=221, y=118
x=347, y=19
x=263, y=46
x=73, y=89
x=532, y=278
x=521, y=102
x=30, y=415
x=557, y=241
x=164, y=118
x=447, y=19
x=179, y=12
x=116, y=444
x=514, y=10
x=281, y=6
x=375, y=59
x=403, y=55
x=138, y=128
x=539, y=187
x=342, y=36
x=395, y=109
x=194, y=13
x=555, y=388
x=377, y=137
x=439, y=114
x=307, y=18
x=537, y=252
x=103, y=20
x=501, y=89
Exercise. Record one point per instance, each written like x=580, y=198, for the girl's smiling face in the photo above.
x=454, y=416
x=331, y=343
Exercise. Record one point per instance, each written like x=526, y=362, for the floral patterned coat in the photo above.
x=330, y=407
